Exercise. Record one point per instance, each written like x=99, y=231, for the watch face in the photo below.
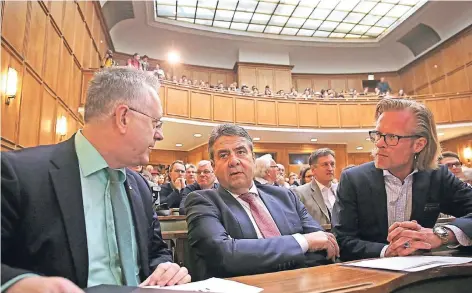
x=440, y=231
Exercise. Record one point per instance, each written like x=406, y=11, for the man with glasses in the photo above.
x=389, y=207
x=453, y=163
x=266, y=170
x=171, y=192
x=319, y=195
x=205, y=180
x=73, y=216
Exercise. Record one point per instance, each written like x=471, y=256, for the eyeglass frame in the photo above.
x=205, y=172
x=158, y=122
x=384, y=135
x=453, y=165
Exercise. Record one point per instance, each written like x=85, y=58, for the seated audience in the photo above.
x=293, y=93
x=205, y=180
x=108, y=60
x=401, y=93
x=319, y=195
x=255, y=91
x=281, y=177
x=134, y=62
x=306, y=176
x=268, y=91
x=244, y=229
x=383, y=86
x=266, y=170
x=150, y=168
x=144, y=63
x=170, y=192
x=306, y=94
x=73, y=215
x=161, y=179
x=190, y=174
x=293, y=180
x=159, y=72
x=389, y=207
x=453, y=163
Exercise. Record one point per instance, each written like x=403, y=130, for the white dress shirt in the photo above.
x=298, y=237
x=399, y=205
x=329, y=194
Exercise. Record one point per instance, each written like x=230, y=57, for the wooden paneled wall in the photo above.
x=358, y=158
x=210, y=74
x=446, y=69
x=204, y=105
x=277, y=77
x=166, y=157
x=458, y=145
x=48, y=43
x=340, y=82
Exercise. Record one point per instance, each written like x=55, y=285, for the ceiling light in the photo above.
x=197, y=135
x=367, y=138
x=173, y=57
x=256, y=138
x=314, y=139
x=440, y=133
x=359, y=148
x=179, y=145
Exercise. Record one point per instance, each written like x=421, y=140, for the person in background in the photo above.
x=281, y=177
x=108, y=60
x=134, y=62
x=161, y=179
x=190, y=174
x=170, y=192
x=401, y=93
x=159, y=72
x=453, y=163
x=383, y=86
x=306, y=175
x=150, y=168
x=144, y=63
x=293, y=180
x=266, y=170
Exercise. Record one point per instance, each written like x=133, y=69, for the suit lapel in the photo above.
x=246, y=228
x=318, y=197
x=139, y=221
x=420, y=189
x=65, y=178
x=379, y=199
x=276, y=212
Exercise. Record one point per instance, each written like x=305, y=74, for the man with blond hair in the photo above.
x=389, y=207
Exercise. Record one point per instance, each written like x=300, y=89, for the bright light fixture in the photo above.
x=173, y=57
x=314, y=140
x=256, y=138
x=197, y=135
x=178, y=145
x=359, y=148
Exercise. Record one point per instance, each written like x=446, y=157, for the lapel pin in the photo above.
x=130, y=188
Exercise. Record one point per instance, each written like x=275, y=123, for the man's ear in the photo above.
x=122, y=118
x=420, y=144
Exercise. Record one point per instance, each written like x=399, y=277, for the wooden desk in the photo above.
x=179, y=240
x=338, y=278
x=172, y=223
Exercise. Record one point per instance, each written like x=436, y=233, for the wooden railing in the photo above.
x=193, y=103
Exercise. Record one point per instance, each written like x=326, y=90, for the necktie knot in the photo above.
x=113, y=175
x=249, y=197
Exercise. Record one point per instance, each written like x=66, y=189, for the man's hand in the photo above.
x=44, y=285
x=179, y=183
x=167, y=274
x=323, y=241
x=281, y=181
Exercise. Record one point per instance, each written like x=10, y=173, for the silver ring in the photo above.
x=406, y=244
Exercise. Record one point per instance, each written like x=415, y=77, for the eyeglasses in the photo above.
x=389, y=139
x=309, y=176
x=204, y=172
x=179, y=171
x=454, y=165
x=158, y=123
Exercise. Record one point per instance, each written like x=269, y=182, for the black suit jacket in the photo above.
x=170, y=196
x=224, y=243
x=361, y=208
x=43, y=225
x=187, y=190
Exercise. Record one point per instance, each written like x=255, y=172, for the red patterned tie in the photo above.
x=263, y=220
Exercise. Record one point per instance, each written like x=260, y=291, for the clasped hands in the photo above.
x=406, y=238
x=323, y=241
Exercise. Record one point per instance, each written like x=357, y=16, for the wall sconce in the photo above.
x=10, y=88
x=61, y=126
x=468, y=154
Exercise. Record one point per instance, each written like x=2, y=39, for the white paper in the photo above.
x=410, y=263
x=213, y=285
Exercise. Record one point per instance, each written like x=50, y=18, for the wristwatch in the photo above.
x=442, y=233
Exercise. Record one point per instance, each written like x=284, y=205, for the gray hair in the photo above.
x=323, y=152
x=425, y=127
x=113, y=86
x=262, y=165
x=187, y=166
x=203, y=163
x=228, y=130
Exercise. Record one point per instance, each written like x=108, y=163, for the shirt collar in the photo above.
x=321, y=186
x=90, y=160
x=253, y=189
x=387, y=173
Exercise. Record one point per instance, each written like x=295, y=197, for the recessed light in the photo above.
x=367, y=138
x=435, y=66
x=314, y=139
x=197, y=135
x=440, y=133
x=359, y=148
x=178, y=144
x=256, y=138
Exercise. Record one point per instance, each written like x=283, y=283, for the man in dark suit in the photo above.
x=72, y=214
x=205, y=180
x=389, y=207
x=241, y=228
x=171, y=192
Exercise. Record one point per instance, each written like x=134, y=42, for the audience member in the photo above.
x=293, y=180
x=306, y=176
x=281, y=177
x=79, y=194
x=319, y=195
x=205, y=180
x=190, y=171
x=108, y=60
x=406, y=191
x=161, y=179
x=244, y=229
x=268, y=91
x=266, y=170
x=383, y=86
x=170, y=192
x=453, y=163
x=144, y=62
x=134, y=62
x=159, y=72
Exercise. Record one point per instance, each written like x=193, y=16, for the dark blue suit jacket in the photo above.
x=43, y=224
x=224, y=243
x=170, y=196
x=187, y=190
x=361, y=208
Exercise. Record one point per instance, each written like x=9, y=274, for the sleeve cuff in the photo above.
x=302, y=241
x=384, y=250
x=13, y=281
x=460, y=235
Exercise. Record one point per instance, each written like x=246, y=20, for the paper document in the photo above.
x=410, y=263
x=215, y=285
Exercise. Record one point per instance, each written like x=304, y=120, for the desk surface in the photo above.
x=171, y=218
x=338, y=278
